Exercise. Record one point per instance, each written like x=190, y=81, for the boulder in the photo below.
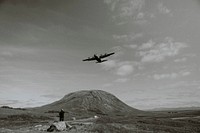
x=59, y=126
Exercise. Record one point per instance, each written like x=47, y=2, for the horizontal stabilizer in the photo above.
x=101, y=61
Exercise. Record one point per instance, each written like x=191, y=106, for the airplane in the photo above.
x=99, y=58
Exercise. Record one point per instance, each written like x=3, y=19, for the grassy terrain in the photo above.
x=18, y=120
x=114, y=116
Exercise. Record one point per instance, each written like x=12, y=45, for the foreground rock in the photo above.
x=59, y=126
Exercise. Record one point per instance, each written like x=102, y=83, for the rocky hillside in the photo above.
x=92, y=101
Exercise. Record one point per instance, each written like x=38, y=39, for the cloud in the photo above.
x=118, y=51
x=171, y=75
x=181, y=59
x=130, y=7
x=140, y=15
x=51, y=96
x=112, y=3
x=185, y=73
x=6, y=53
x=158, y=52
x=20, y=2
x=110, y=64
x=126, y=10
x=124, y=70
x=132, y=46
x=121, y=80
x=116, y=48
x=119, y=68
x=10, y=102
x=147, y=45
x=127, y=37
x=13, y=51
x=107, y=85
x=164, y=76
x=163, y=9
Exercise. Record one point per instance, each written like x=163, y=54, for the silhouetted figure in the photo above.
x=61, y=115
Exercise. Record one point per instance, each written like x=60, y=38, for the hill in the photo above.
x=90, y=101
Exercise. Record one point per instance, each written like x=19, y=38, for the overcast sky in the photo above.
x=43, y=42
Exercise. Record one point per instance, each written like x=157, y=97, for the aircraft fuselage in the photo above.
x=97, y=58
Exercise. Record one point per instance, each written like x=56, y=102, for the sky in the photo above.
x=156, y=45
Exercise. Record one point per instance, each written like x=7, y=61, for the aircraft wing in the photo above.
x=106, y=55
x=89, y=59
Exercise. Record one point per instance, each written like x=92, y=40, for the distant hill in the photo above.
x=175, y=109
x=90, y=101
